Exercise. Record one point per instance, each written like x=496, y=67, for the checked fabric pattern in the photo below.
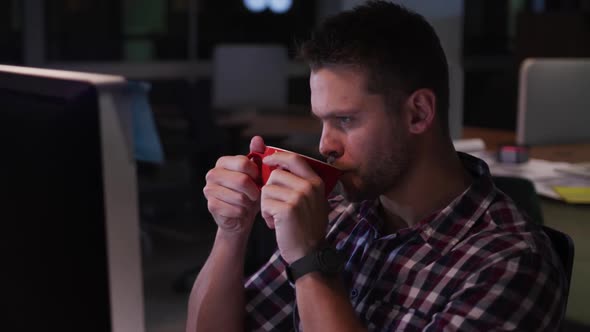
x=476, y=265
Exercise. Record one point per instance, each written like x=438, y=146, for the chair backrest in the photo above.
x=522, y=191
x=250, y=76
x=564, y=247
x=553, y=101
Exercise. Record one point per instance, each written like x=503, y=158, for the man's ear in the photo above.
x=421, y=108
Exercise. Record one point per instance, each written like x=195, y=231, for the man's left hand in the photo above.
x=294, y=204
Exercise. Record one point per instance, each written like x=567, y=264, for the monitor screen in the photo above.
x=70, y=242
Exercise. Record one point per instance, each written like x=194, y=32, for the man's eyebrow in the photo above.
x=335, y=114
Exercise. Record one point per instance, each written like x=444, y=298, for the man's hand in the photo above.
x=294, y=204
x=232, y=195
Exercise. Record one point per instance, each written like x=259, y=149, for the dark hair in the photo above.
x=398, y=49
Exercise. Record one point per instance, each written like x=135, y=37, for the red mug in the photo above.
x=328, y=173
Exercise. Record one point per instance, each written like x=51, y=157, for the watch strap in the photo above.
x=326, y=260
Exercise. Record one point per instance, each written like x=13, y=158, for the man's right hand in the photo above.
x=232, y=195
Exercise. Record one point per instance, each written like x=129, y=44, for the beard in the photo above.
x=384, y=173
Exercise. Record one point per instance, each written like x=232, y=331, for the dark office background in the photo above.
x=114, y=30
x=497, y=35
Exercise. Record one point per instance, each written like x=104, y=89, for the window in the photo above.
x=11, y=33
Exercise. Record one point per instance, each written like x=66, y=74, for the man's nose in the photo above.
x=329, y=144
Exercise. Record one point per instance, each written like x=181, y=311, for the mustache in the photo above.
x=332, y=160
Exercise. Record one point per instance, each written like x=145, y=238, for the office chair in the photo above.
x=564, y=247
x=553, y=101
x=522, y=192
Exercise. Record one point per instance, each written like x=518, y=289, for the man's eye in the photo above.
x=345, y=119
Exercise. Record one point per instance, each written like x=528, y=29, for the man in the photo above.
x=420, y=240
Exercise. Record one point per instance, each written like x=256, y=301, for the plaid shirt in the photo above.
x=476, y=265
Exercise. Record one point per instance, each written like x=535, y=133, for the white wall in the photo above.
x=447, y=19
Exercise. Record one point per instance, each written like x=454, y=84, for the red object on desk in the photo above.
x=513, y=154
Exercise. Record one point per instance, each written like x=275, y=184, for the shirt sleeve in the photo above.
x=269, y=298
x=522, y=293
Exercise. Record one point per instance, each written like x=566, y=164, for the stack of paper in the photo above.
x=549, y=177
x=581, y=169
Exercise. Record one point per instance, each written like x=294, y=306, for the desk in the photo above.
x=271, y=125
x=573, y=153
x=493, y=138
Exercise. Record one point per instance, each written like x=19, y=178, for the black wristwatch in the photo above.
x=326, y=260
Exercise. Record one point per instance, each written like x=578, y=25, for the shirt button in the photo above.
x=354, y=293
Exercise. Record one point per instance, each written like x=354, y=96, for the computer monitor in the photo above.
x=69, y=241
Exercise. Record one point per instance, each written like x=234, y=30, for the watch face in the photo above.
x=331, y=260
